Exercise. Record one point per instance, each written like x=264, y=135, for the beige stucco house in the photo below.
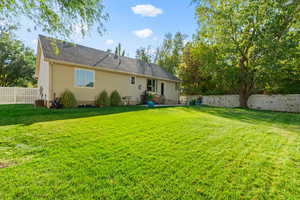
x=86, y=72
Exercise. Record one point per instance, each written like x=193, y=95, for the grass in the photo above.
x=140, y=153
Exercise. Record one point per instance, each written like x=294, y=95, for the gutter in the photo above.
x=108, y=70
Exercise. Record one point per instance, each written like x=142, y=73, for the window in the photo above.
x=151, y=85
x=132, y=80
x=84, y=78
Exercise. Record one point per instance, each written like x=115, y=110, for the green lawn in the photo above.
x=140, y=153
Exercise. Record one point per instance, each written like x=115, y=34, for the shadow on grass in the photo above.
x=279, y=119
x=27, y=114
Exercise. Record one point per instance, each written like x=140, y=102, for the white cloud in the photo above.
x=144, y=33
x=34, y=42
x=109, y=42
x=146, y=10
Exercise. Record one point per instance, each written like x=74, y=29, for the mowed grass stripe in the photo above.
x=140, y=153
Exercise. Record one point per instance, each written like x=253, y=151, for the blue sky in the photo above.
x=133, y=23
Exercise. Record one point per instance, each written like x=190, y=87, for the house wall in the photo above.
x=43, y=80
x=63, y=78
x=171, y=93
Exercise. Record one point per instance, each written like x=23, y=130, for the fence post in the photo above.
x=15, y=95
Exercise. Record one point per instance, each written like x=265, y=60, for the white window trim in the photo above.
x=94, y=78
x=155, y=85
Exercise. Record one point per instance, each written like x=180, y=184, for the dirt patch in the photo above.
x=4, y=165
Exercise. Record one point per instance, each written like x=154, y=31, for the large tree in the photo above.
x=56, y=16
x=257, y=41
x=16, y=61
x=169, y=54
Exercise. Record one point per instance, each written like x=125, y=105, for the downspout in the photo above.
x=50, y=95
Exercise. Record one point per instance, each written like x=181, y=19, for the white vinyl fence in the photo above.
x=15, y=95
x=277, y=102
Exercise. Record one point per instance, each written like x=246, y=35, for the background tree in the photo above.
x=119, y=51
x=56, y=16
x=253, y=40
x=168, y=55
x=144, y=54
x=17, y=62
x=194, y=69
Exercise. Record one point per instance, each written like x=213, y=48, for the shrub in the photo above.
x=68, y=99
x=149, y=97
x=192, y=102
x=115, y=98
x=102, y=99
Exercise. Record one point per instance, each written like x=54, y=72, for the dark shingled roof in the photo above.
x=78, y=54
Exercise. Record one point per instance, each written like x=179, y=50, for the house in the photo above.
x=86, y=72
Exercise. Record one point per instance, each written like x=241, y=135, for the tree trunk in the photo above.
x=243, y=97
x=245, y=83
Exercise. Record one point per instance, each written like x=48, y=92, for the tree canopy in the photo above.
x=194, y=71
x=168, y=55
x=144, y=54
x=17, y=63
x=119, y=51
x=56, y=16
x=257, y=42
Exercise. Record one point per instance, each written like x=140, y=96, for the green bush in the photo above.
x=68, y=99
x=102, y=99
x=115, y=98
x=192, y=102
x=149, y=97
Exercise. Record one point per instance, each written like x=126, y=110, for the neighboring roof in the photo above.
x=73, y=53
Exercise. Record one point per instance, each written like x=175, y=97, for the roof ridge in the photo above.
x=94, y=57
